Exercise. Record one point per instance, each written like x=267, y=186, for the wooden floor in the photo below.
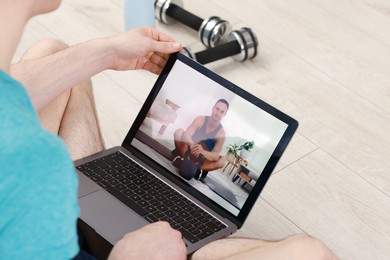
x=326, y=63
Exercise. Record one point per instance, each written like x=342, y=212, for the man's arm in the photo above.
x=47, y=77
x=219, y=143
x=216, y=152
x=197, y=149
x=190, y=131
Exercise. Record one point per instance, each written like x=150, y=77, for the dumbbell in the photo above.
x=210, y=31
x=241, y=44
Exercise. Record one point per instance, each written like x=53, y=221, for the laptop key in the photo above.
x=113, y=182
x=162, y=208
x=204, y=219
x=130, y=203
x=104, y=184
x=147, y=197
x=183, y=214
x=91, y=165
x=154, y=202
x=177, y=219
x=128, y=192
x=188, y=236
x=142, y=203
x=213, y=227
x=158, y=214
x=168, y=203
x=105, y=176
x=117, y=166
x=131, y=186
x=186, y=225
x=121, y=187
x=125, y=181
x=110, y=171
x=166, y=218
x=101, y=164
x=194, y=230
x=82, y=168
x=135, y=197
x=88, y=173
x=175, y=225
x=150, y=208
x=204, y=233
x=170, y=213
x=96, y=178
x=150, y=218
x=98, y=171
x=139, y=192
x=153, y=193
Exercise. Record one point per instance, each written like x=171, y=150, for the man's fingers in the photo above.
x=167, y=47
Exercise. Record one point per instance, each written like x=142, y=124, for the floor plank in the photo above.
x=325, y=199
x=326, y=42
x=267, y=223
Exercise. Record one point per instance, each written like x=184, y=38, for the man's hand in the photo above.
x=141, y=48
x=154, y=241
x=196, y=149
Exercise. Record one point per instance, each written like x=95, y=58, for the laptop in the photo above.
x=126, y=187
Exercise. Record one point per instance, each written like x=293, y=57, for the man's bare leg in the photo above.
x=179, y=144
x=182, y=147
x=212, y=166
x=295, y=247
x=72, y=114
x=80, y=127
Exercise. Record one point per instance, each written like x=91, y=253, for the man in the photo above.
x=38, y=188
x=202, y=141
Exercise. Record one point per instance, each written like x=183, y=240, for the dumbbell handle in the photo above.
x=210, y=31
x=219, y=52
x=241, y=45
x=185, y=17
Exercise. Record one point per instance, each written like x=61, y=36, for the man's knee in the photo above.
x=312, y=247
x=178, y=134
x=221, y=161
x=44, y=48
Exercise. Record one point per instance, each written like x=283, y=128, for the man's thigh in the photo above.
x=51, y=115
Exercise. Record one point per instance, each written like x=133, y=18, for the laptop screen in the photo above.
x=213, y=136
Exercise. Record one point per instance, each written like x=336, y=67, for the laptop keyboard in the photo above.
x=149, y=196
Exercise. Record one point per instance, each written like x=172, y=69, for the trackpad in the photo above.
x=108, y=216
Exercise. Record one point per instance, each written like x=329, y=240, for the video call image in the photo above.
x=211, y=138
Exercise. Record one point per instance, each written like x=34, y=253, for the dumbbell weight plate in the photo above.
x=248, y=43
x=161, y=7
x=213, y=31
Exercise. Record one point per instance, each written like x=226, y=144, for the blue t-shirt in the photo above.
x=38, y=183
